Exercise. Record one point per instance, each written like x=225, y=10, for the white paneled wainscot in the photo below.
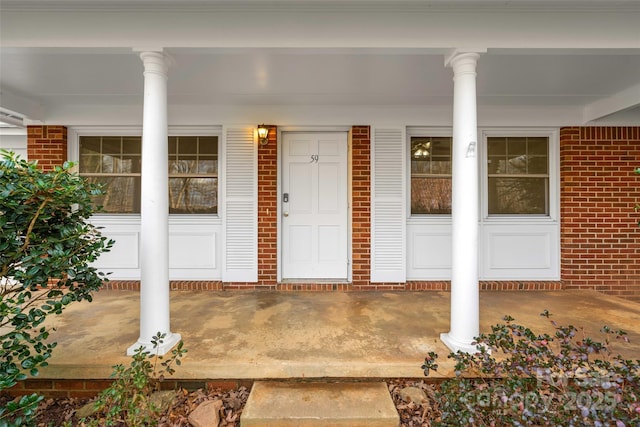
x=508, y=250
x=194, y=247
x=512, y=251
x=429, y=249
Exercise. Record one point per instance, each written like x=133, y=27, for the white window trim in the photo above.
x=554, y=175
x=73, y=152
x=418, y=131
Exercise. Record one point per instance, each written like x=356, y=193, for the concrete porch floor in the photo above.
x=258, y=335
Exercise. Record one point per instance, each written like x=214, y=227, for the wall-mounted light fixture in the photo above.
x=263, y=134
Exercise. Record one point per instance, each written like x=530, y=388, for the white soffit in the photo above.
x=627, y=100
x=324, y=4
x=321, y=24
x=57, y=55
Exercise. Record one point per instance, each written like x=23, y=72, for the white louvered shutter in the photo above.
x=388, y=231
x=240, y=205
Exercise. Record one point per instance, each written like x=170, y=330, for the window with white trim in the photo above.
x=115, y=162
x=518, y=175
x=430, y=174
x=193, y=174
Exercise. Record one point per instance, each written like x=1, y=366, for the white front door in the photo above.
x=314, y=206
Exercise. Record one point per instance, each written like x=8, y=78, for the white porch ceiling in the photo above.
x=44, y=72
x=46, y=79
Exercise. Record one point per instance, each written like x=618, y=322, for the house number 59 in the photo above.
x=314, y=158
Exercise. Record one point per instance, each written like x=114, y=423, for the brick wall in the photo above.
x=414, y=285
x=361, y=207
x=88, y=388
x=600, y=238
x=47, y=145
x=59, y=388
x=268, y=210
x=488, y=285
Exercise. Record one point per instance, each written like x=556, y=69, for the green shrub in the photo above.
x=46, y=248
x=525, y=379
x=127, y=401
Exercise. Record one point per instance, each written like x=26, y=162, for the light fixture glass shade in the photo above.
x=263, y=134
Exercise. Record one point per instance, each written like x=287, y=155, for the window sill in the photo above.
x=519, y=219
x=105, y=218
x=429, y=219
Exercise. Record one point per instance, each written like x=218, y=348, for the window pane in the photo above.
x=90, y=164
x=538, y=165
x=132, y=145
x=517, y=165
x=109, y=164
x=497, y=165
x=538, y=146
x=497, y=146
x=516, y=146
x=441, y=166
x=173, y=145
x=183, y=166
x=187, y=145
x=175, y=166
x=420, y=166
x=208, y=165
x=130, y=164
x=111, y=145
x=122, y=194
x=89, y=145
x=518, y=195
x=441, y=147
x=430, y=195
x=208, y=145
x=193, y=195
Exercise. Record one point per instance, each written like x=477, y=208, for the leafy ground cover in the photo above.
x=62, y=411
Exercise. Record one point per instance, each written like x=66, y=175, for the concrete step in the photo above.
x=284, y=404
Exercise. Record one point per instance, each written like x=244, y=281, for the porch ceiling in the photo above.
x=298, y=61
x=44, y=80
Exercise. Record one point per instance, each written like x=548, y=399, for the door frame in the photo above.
x=314, y=129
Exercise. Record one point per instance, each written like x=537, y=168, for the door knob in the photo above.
x=286, y=214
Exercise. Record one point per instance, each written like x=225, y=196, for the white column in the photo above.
x=154, y=229
x=465, y=311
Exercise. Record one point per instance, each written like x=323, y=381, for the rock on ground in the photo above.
x=413, y=394
x=207, y=414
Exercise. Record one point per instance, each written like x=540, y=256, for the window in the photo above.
x=430, y=175
x=518, y=175
x=115, y=161
x=193, y=174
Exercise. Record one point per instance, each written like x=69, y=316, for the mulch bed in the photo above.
x=57, y=412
